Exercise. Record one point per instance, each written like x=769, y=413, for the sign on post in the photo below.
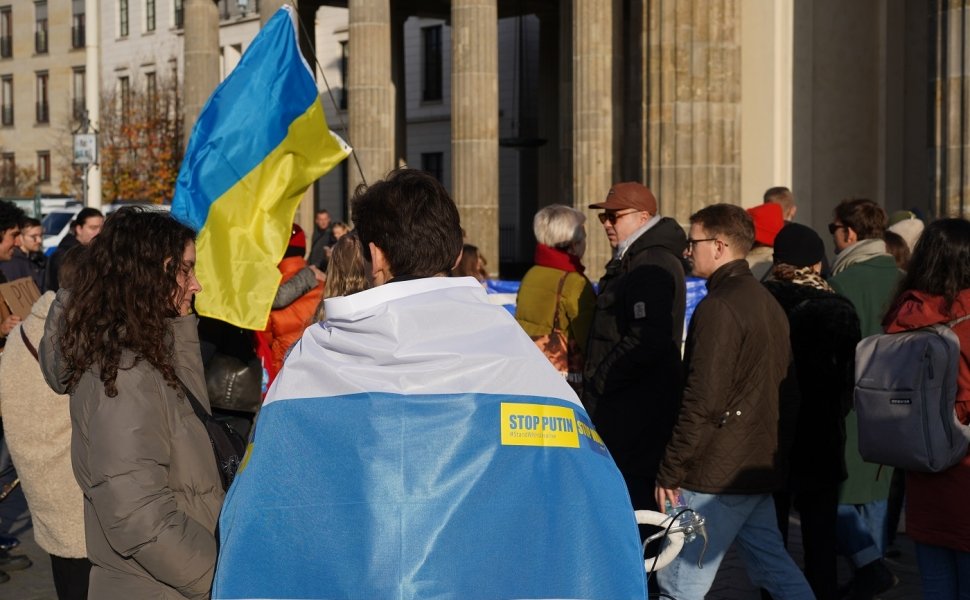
x=85, y=148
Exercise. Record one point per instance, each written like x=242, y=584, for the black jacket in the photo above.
x=54, y=264
x=824, y=330
x=739, y=389
x=22, y=265
x=632, y=376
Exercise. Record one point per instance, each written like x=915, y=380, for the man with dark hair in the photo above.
x=783, y=196
x=85, y=227
x=632, y=375
x=417, y=444
x=725, y=456
x=322, y=239
x=866, y=274
x=10, y=219
x=28, y=257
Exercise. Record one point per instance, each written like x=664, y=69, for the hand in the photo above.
x=320, y=275
x=8, y=324
x=662, y=494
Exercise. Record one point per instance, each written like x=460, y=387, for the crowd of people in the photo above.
x=748, y=418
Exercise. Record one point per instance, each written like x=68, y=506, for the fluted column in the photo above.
x=201, y=55
x=370, y=90
x=693, y=121
x=474, y=122
x=593, y=119
x=950, y=146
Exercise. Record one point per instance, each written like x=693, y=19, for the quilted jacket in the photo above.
x=738, y=395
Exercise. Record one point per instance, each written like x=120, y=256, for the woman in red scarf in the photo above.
x=936, y=289
x=555, y=293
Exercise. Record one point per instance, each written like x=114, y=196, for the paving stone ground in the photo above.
x=732, y=582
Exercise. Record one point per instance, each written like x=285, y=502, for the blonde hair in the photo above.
x=559, y=226
x=346, y=271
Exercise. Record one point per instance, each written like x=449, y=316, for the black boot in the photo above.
x=871, y=579
x=13, y=563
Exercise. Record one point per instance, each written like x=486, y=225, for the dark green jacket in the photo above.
x=869, y=285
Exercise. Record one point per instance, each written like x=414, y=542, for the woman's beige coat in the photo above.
x=37, y=427
x=145, y=465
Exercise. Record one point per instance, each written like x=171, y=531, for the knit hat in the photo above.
x=297, y=237
x=768, y=220
x=629, y=194
x=909, y=229
x=798, y=246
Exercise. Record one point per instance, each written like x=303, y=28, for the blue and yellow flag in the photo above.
x=259, y=142
x=418, y=445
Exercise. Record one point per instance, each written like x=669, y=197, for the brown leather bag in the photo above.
x=564, y=354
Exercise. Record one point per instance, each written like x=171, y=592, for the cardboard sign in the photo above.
x=20, y=295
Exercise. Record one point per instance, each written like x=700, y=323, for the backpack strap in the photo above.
x=957, y=321
x=30, y=347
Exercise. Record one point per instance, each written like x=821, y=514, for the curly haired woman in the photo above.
x=123, y=342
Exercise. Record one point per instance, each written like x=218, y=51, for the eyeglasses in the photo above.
x=613, y=217
x=690, y=242
x=834, y=227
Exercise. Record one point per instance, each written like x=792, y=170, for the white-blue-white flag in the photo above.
x=418, y=445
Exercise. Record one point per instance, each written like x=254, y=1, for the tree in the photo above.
x=17, y=182
x=141, y=142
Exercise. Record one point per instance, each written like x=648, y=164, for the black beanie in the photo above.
x=799, y=246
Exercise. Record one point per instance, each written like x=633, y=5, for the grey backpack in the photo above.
x=906, y=386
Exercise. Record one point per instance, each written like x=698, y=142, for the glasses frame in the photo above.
x=833, y=228
x=614, y=216
x=691, y=243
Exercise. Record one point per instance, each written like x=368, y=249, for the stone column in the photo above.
x=593, y=120
x=950, y=143
x=201, y=55
x=474, y=122
x=693, y=120
x=370, y=91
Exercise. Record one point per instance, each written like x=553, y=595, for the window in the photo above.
x=149, y=15
x=151, y=87
x=179, y=14
x=343, y=75
x=124, y=93
x=431, y=71
x=43, y=166
x=43, y=109
x=8, y=168
x=433, y=163
x=6, y=90
x=6, y=32
x=77, y=24
x=78, y=87
x=122, y=18
x=40, y=27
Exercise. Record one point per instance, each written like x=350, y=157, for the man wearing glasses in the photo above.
x=633, y=375
x=28, y=258
x=724, y=458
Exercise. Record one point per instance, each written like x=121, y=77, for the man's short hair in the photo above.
x=781, y=195
x=323, y=211
x=412, y=219
x=10, y=216
x=866, y=218
x=728, y=221
x=29, y=222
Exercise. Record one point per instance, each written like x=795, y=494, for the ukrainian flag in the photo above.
x=259, y=142
x=417, y=444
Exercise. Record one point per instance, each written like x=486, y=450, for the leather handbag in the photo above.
x=564, y=353
x=228, y=447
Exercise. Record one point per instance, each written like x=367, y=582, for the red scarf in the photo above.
x=555, y=258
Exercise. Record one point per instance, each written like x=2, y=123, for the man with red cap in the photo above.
x=633, y=374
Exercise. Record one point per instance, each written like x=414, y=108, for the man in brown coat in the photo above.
x=724, y=457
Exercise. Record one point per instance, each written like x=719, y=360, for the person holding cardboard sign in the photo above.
x=10, y=218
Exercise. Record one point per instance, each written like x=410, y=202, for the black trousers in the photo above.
x=817, y=510
x=70, y=577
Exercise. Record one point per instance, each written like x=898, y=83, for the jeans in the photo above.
x=749, y=520
x=862, y=531
x=944, y=573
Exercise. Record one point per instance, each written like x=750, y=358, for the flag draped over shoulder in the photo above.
x=260, y=141
x=418, y=445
